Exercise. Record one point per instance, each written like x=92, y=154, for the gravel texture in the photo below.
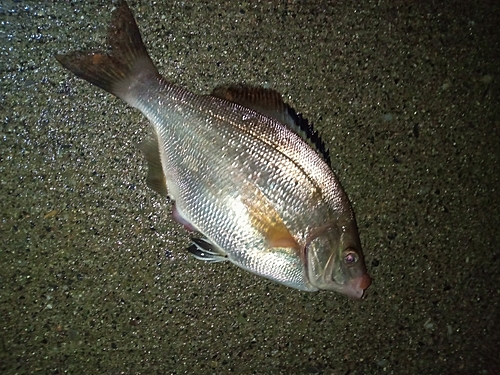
x=94, y=278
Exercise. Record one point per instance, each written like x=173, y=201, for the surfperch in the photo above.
x=244, y=171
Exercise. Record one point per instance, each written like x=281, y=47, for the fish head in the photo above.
x=334, y=259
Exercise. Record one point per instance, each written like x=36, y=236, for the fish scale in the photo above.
x=244, y=170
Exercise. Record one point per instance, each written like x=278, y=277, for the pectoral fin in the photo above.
x=266, y=220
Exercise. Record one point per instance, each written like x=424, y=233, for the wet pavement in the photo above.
x=94, y=276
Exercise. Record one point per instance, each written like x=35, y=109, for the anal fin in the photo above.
x=156, y=178
x=203, y=249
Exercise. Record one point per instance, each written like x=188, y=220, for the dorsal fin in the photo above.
x=269, y=102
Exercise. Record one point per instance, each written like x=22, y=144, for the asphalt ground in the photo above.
x=94, y=276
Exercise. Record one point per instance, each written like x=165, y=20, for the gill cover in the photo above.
x=335, y=261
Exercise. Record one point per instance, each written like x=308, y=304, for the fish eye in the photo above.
x=350, y=256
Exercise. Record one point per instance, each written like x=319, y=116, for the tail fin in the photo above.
x=125, y=64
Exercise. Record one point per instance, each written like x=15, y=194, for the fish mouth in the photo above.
x=356, y=287
x=328, y=270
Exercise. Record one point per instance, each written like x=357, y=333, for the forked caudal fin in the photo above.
x=127, y=63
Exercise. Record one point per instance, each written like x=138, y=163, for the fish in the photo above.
x=246, y=174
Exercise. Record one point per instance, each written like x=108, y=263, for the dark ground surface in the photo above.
x=94, y=278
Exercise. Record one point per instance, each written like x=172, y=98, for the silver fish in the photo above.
x=241, y=173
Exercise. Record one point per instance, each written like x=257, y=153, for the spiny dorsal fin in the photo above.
x=269, y=102
x=156, y=178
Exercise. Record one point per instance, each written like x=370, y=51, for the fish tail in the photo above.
x=126, y=65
